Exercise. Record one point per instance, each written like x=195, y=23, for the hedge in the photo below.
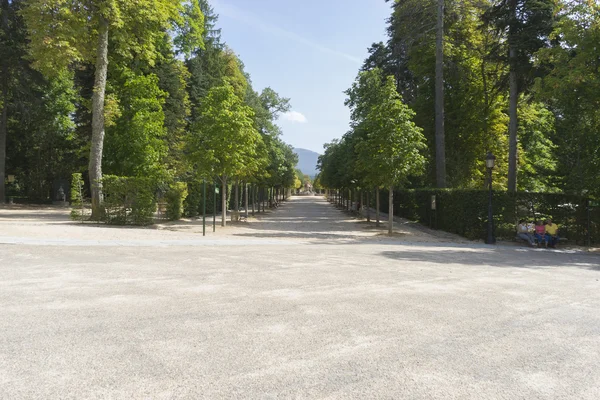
x=464, y=212
x=128, y=200
x=175, y=197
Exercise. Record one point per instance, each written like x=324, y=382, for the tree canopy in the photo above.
x=142, y=89
x=520, y=81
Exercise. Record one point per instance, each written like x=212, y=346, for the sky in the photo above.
x=307, y=50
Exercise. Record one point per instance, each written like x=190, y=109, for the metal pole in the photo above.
x=204, y=207
x=214, y=206
x=490, y=235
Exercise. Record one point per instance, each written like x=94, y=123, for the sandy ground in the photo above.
x=304, y=302
x=305, y=219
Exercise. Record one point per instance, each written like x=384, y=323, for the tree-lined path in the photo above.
x=312, y=218
x=302, y=219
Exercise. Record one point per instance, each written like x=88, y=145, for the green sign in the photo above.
x=217, y=190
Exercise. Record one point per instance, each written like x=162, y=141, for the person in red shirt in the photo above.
x=540, y=232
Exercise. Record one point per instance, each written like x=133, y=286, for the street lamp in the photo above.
x=490, y=162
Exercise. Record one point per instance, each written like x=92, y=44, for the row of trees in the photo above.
x=384, y=146
x=519, y=78
x=144, y=88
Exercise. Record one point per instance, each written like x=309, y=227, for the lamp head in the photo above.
x=490, y=160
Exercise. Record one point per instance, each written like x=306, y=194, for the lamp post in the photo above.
x=490, y=162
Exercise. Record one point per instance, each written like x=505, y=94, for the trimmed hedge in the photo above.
x=464, y=212
x=175, y=198
x=128, y=200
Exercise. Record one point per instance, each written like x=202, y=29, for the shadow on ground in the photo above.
x=506, y=257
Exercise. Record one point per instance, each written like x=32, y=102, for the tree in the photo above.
x=63, y=33
x=571, y=91
x=527, y=25
x=474, y=119
x=223, y=142
x=136, y=142
x=391, y=151
x=36, y=130
x=440, y=139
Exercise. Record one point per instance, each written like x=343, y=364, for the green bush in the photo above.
x=175, y=198
x=77, y=198
x=464, y=212
x=193, y=201
x=128, y=200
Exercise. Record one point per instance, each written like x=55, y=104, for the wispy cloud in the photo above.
x=247, y=18
x=294, y=116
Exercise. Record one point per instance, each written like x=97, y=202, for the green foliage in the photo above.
x=128, y=200
x=38, y=128
x=175, y=198
x=193, y=205
x=172, y=81
x=389, y=144
x=63, y=33
x=538, y=161
x=164, y=57
x=571, y=90
x=135, y=144
x=464, y=212
x=223, y=142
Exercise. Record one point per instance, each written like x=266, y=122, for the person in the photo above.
x=524, y=233
x=540, y=232
x=551, y=233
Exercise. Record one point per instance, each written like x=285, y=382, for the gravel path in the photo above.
x=304, y=302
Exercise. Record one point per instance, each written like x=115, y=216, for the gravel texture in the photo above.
x=304, y=302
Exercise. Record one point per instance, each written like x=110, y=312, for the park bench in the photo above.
x=562, y=240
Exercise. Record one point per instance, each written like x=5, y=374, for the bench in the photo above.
x=561, y=240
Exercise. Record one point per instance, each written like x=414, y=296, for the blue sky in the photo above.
x=307, y=50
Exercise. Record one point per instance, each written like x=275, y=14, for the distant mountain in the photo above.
x=307, y=162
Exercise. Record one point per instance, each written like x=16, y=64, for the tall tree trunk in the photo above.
x=348, y=200
x=377, y=207
x=237, y=196
x=440, y=136
x=391, y=212
x=361, y=202
x=369, y=206
x=95, y=166
x=513, y=100
x=4, y=114
x=3, y=134
x=224, y=202
x=247, y=200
